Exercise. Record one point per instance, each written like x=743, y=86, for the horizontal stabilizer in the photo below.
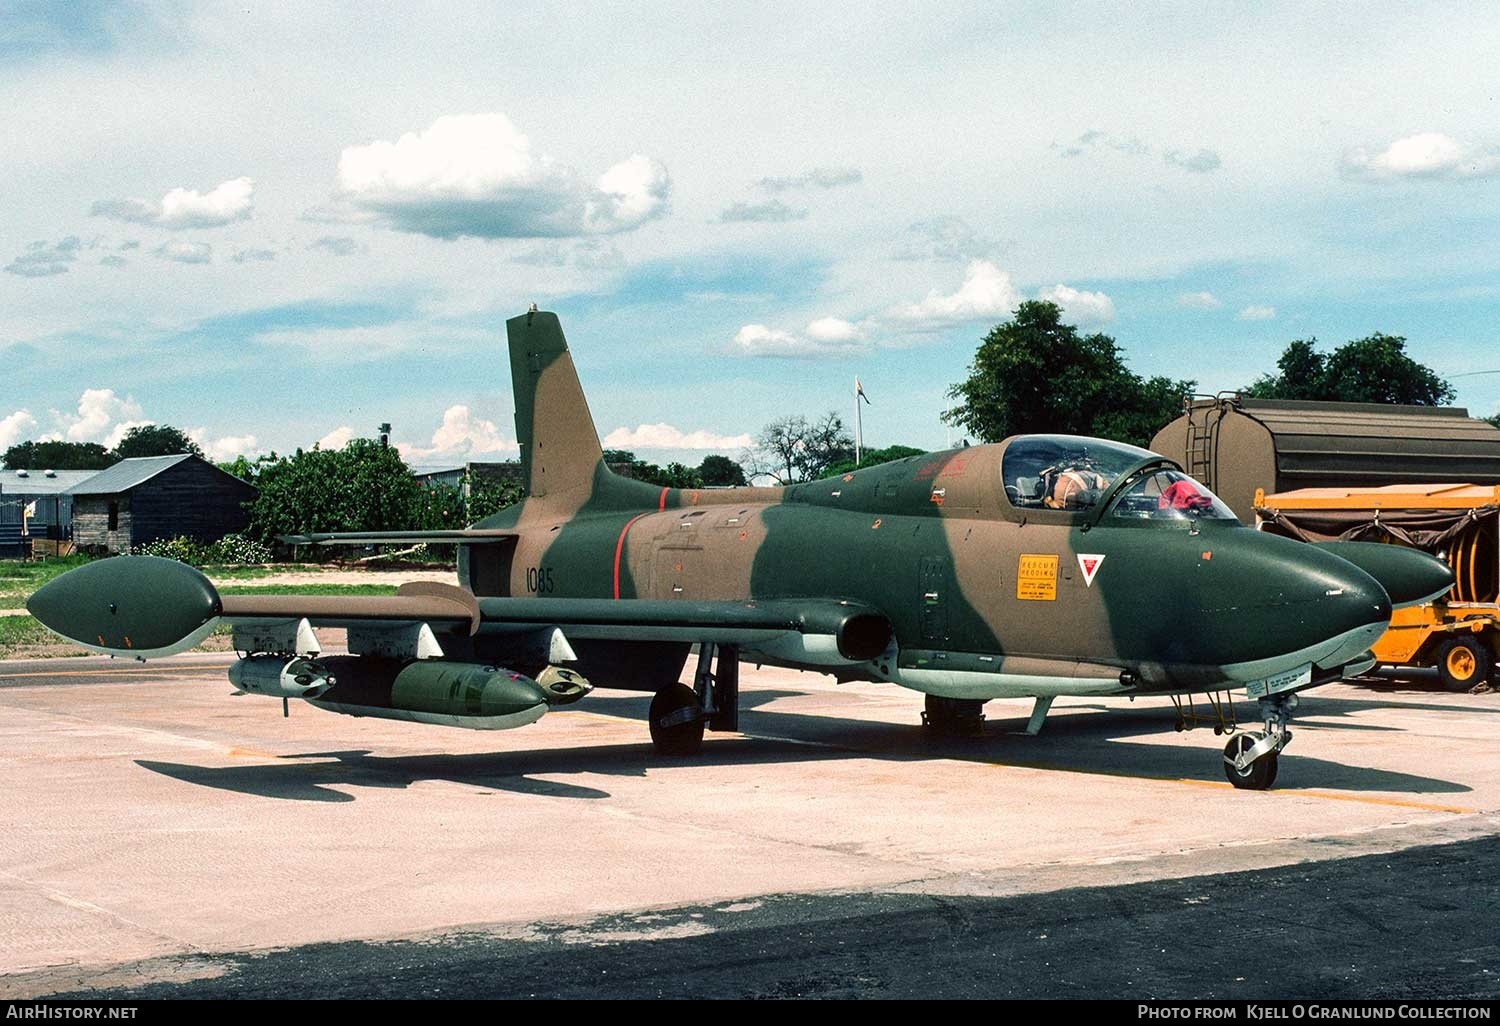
x=468, y=536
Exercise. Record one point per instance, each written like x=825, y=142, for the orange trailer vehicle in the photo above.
x=1458, y=635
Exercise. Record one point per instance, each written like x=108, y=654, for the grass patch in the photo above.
x=19, y=579
x=307, y=589
x=20, y=631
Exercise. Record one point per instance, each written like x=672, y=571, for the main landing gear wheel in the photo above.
x=676, y=720
x=1462, y=663
x=1258, y=775
x=953, y=717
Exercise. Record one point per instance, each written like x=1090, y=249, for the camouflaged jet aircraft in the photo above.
x=1041, y=566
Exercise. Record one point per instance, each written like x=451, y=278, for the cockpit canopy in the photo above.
x=1065, y=472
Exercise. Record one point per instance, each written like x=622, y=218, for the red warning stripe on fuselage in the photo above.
x=620, y=542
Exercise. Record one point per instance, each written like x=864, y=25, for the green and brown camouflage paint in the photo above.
x=932, y=541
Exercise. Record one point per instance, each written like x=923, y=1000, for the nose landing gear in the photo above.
x=1250, y=757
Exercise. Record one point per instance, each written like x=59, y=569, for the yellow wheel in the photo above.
x=1462, y=663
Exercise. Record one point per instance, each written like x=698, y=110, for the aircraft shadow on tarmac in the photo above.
x=1092, y=739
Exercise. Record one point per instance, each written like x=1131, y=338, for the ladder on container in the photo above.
x=1204, y=414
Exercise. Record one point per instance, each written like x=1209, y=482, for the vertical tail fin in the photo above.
x=560, y=450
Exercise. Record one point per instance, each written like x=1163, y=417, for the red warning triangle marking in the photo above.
x=1089, y=564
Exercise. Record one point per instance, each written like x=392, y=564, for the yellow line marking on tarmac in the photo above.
x=105, y=672
x=251, y=753
x=1221, y=785
x=1400, y=803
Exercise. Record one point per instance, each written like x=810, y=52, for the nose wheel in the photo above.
x=1250, y=757
x=1246, y=770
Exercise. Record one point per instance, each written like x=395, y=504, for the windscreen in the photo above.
x=1063, y=472
x=1167, y=494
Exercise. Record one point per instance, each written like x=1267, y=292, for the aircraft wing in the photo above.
x=469, y=536
x=147, y=606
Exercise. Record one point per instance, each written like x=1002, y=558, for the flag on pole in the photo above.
x=859, y=434
x=27, y=512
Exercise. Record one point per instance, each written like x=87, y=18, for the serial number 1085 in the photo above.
x=539, y=580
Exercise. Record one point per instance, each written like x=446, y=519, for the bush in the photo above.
x=232, y=548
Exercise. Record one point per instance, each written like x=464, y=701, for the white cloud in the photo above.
x=476, y=175
x=943, y=238
x=1198, y=300
x=185, y=252
x=665, y=436
x=1256, y=313
x=986, y=292
x=1089, y=141
x=102, y=417
x=584, y=254
x=1201, y=162
x=118, y=432
x=15, y=428
x=759, y=340
x=42, y=259
x=221, y=450
x=338, y=245
x=247, y=256
x=1424, y=155
x=832, y=329
x=462, y=435
x=772, y=211
x=337, y=438
x=227, y=203
x=818, y=177
x=1085, y=309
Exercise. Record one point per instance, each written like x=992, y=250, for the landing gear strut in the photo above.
x=1250, y=758
x=679, y=713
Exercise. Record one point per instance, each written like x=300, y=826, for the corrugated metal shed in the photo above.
x=50, y=489
x=139, y=500
x=41, y=482
x=1237, y=445
x=127, y=474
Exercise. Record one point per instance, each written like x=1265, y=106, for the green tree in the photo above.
x=1034, y=373
x=243, y=467
x=364, y=486
x=154, y=440
x=490, y=497
x=795, y=448
x=1374, y=369
x=58, y=456
x=871, y=458
x=715, y=471
x=439, y=507
x=721, y=472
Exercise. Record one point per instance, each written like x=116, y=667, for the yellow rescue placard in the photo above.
x=1036, y=578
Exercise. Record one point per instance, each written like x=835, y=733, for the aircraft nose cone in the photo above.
x=1408, y=576
x=1271, y=603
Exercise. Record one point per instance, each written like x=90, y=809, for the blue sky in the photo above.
x=285, y=224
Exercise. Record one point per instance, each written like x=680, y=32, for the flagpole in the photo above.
x=859, y=436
